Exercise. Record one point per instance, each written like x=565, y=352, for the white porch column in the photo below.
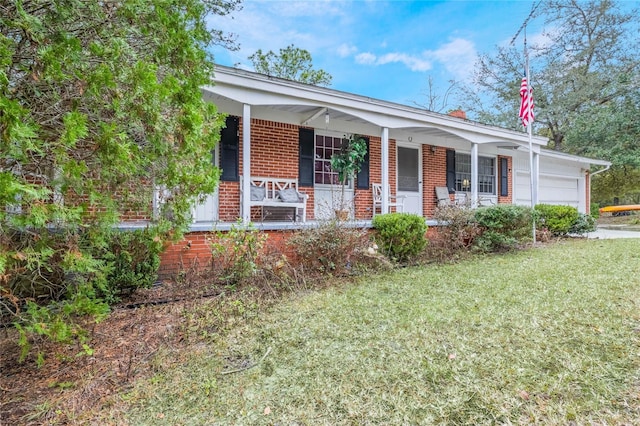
x=245, y=190
x=583, y=196
x=474, y=175
x=536, y=177
x=385, y=170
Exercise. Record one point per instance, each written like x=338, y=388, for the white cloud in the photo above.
x=345, y=50
x=411, y=62
x=457, y=56
x=273, y=25
x=325, y=9
x=366, y=58
x=543, y=39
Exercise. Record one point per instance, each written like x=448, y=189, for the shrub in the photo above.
x=235, y=252
x=454, y=234
x=49, y=280
x=556, y=218
x=401, y=236
x=60, y=322
x=585, y=223
x=503, y=226
x=54, y=277
x=328, y=248
x=132, y=258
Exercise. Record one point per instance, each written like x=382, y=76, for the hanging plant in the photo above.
x=348, y=161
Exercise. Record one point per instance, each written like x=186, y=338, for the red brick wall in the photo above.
x=393, y=171
x=434, y=173
x=193, y=253
x=229, y=201
x=132, y=208
x=274, y=149
x=364, y=197
x=274, y=153
x=588, y=192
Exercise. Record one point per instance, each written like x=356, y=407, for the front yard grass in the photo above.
x=549, y=335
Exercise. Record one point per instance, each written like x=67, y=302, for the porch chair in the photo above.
x=442, y=194
x=460, y=199
x=377, y=199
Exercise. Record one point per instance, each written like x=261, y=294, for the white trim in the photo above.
x=213, y=198
x=331, y=134
x=419, y=147
x=385, y=168
x=495, y=158
x=474, y=175
x=574, y=158
x=246, y=164
x=536, y=179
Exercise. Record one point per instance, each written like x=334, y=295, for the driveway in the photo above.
x=607, y=233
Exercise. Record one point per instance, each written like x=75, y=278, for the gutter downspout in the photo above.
x=597, y=172
x=607, y=167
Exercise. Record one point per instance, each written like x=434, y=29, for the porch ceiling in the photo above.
x=425, y=132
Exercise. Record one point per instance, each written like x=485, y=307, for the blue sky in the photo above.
x=383, y=49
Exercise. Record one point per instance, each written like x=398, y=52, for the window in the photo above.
x=305, y=158
x=229, y=149
x=504, y=177
x=486, y=174
x=362, y=176
x=408, y=169
x=314, y=160
x=326, y=146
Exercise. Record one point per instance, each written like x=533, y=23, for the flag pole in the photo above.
x=529, y=132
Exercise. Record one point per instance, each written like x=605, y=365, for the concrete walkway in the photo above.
x=607, y=233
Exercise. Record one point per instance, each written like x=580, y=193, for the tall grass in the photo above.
x=546, y=336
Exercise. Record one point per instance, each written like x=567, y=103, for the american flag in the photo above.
x=526, y=103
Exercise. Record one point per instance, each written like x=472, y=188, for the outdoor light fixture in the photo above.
x=326, y=116
x=410, y=138
x=434, y=148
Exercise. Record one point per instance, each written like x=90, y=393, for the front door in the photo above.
x=409, y=182
x=207, y=211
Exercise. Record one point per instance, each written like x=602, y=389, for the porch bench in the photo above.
x=278, y=192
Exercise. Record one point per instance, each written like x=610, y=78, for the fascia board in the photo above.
x=574, y=158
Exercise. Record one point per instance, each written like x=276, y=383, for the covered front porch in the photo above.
x=287, y=130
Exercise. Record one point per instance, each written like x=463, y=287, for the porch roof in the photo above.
x=574, y=158
x=307, y=104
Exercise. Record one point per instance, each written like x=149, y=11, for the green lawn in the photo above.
x=545, y=336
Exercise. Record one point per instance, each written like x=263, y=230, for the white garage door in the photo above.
x=522, y=189
x=559, y=190
x=551, y=190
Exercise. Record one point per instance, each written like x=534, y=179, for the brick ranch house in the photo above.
x=281, y=134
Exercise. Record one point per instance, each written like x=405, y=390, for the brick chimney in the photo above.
x=458, y=113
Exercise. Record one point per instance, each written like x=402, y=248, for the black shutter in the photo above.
x=306, y=157
x=504, y=177
x=229, y=150
x=451, y=170
x=363, y=174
